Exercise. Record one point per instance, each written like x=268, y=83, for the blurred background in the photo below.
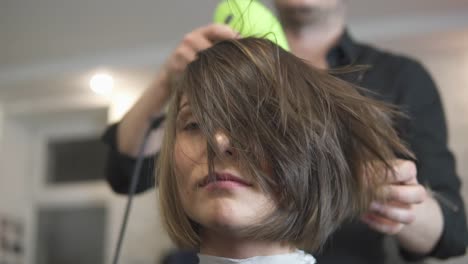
x=55, y=206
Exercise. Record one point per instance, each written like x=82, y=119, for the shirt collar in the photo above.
x=344, y=53
x=297, y=256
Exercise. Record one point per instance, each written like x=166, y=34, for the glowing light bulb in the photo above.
x=102, y=83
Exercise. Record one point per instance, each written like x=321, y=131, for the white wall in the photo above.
x=14, y=202
x=12, y=184
x=27, y=128
x=1, y=123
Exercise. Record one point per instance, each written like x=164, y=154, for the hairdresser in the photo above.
x=424, y=213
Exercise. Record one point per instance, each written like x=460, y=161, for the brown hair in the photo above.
x=324, y=140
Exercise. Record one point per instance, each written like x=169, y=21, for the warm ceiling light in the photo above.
x=101, y=83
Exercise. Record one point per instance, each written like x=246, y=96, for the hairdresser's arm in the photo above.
x=422, y=235
x=137, y=120
x=442, y=210
x=410, y=214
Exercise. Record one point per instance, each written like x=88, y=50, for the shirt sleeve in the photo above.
x=435, y=163
x=119, y=167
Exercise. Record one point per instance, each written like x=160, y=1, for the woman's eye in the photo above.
x=191, y=126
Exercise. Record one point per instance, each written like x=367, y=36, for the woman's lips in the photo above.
x=223, y=180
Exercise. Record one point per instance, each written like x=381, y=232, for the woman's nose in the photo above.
x=224, y=144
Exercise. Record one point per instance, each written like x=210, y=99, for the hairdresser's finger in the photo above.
x=404, y=172
x=218, y=32
x=381, y=224
x=182, y=56
x=196, y=41
x=401, y=214
x=409, y=194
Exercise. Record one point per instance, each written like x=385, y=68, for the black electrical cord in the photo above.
x=133, y=185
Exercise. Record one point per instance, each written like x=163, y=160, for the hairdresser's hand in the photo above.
x=150, y=104
x=194, y=42
x=402, y=193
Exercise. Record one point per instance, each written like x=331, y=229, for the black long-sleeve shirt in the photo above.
x=394, y=79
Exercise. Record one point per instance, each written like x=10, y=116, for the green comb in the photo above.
x=251, y=19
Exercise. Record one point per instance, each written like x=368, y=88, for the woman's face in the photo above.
x=230, y=202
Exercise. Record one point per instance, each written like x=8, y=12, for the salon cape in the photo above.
x=297, y=257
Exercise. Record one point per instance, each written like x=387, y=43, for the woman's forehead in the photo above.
x=183, y=101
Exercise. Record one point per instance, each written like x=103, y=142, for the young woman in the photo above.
x=264, y=154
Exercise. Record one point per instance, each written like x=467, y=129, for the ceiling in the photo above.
x=50, y=47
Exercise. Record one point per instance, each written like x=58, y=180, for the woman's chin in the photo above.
x=227, y=212
x=227, y=215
